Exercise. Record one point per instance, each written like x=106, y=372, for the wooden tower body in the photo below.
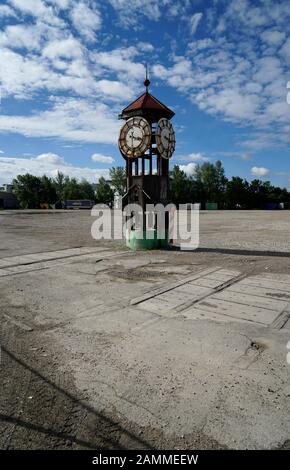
x=147, y=174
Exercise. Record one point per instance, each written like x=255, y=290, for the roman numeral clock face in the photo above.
x=135, y=137
x=165, y=138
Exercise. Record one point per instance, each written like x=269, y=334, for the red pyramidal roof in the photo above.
x=147, y=103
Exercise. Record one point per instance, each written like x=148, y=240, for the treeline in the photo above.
x=33, y=191
x=210, y=185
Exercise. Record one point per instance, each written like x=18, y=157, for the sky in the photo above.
x=68, y=68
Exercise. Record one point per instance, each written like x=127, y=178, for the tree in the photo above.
x=257, y=194
x=59, y=183
x=220, y=180
x=70, y=188
x=212, y=178
x=118, y=179
x=86, y=190
x=47, y=190
x=198, y=193
x=26, y=189
x=179, y=186
x=237, y=192
x=279, y=195
x=104, y=192
x=207, y=184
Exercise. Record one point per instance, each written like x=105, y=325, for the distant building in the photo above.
x=7, y=188
x=7, y=198
x=77, y=204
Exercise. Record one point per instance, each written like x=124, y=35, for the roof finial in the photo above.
x=147, y=81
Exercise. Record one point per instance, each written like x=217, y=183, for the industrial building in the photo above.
x=7, y=198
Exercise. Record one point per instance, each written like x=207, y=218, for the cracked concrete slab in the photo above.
x=176, y=346
x=164, y=369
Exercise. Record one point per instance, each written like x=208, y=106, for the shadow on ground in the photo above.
x=76, y=423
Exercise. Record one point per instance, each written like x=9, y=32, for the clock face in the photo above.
x=165, y=138
x=135, y=137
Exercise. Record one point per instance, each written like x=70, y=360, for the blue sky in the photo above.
x=68, y=67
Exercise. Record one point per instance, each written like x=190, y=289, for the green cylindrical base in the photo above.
x=145, y=240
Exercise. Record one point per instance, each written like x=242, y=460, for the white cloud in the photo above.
x=235, y=72
x=200, y=45
x=69, y=119
x=38, y=9
x=86, y=20
x=63, y=4
x=273, y=37
x=98, y=157
x=232, y=87
x=67, y=48
x=235, y=154
x=64, y=66
x=253, y=87
x=247, y=15
x=231, y=103
x=114, y=89
x=179, y=76
x=121, y=61
x=278, y=111
x=285, y=51
x=134, y=14
x=259, y=171
x=22, y=36
x=32, y=7
x=145, y=47
x=51, y=158
x=5, y=11
x=189, y=169
x=261, y=140
x=268, y=69
x=56, y=62
x=236, y=76
x=22, y=76
x=19, y=74
x=194, y=22
x=130, y=13
x=10, y=167
x=192, y=157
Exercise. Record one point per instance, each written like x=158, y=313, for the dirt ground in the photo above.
x=85, y=365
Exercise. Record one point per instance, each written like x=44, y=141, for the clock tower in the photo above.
x=146, y=142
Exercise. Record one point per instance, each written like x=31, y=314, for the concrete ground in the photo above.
x=106, y=348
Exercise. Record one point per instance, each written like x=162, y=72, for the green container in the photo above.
x=145, y=240
x=211, y=206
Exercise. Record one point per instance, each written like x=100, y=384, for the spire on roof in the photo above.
x=146, y=81
x=147, y=106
